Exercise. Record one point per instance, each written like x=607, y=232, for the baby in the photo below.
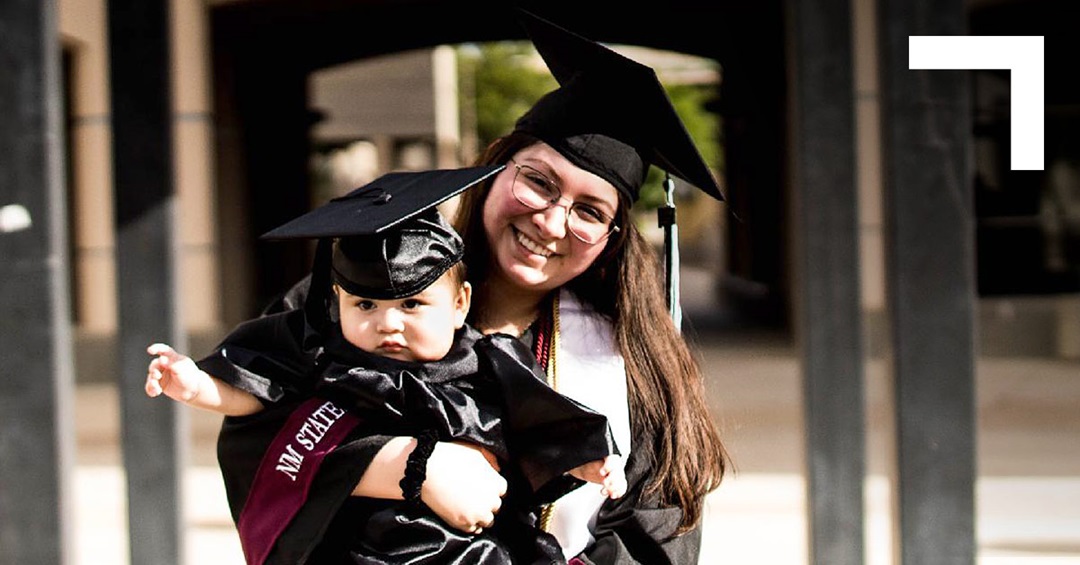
x=400, y=304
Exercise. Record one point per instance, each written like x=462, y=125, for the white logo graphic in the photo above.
x=1023, y=55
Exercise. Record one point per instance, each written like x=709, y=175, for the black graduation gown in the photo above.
x=462, y=397
x=487, y=391
x=632, y=529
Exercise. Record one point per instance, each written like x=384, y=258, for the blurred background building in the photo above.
x=259, y=128
x=278, y=106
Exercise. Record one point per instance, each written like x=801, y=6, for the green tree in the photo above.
x=690, y=101
x=507, y=81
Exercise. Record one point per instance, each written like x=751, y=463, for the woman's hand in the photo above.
x=463, y=486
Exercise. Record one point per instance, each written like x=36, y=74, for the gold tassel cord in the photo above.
x=553, y=382
x=552, y=375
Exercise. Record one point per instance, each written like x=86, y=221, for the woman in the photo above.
x=555, y=227
x=550, y=239
x=530, y=255
x=554, y=259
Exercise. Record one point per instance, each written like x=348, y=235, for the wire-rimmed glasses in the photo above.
x=535, y=190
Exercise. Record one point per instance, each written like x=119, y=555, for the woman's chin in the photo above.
x=525, y=276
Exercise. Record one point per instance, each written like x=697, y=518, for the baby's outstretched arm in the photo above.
x=177, y=376
x=607, y=472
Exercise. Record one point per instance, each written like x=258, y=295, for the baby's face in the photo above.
x=416, y=328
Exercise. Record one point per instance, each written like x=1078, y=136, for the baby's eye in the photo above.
x=365, y=305
x=411, y=304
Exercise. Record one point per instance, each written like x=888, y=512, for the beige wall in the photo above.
x=194, y=160
x=868, y=156
x=83, y=25
x=82, y=28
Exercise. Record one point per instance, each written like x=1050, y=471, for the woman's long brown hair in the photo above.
x=665, y=386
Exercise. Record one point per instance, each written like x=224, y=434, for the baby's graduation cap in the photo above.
x=392, y=242
x=612, y=117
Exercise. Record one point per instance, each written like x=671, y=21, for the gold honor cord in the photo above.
x=552, y=381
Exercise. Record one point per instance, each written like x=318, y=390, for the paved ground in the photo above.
x=1027, y=493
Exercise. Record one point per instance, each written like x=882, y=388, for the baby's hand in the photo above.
x=172, y=373
x=607, y=472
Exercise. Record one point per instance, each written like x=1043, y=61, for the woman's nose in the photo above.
x=552, y=221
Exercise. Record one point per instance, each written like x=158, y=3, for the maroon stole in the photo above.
x=286, y=472
x=544, y=337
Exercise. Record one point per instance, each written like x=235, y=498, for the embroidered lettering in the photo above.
x=285, y=474
x=289, y=462
x=311, y=432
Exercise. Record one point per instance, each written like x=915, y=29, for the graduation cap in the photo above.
x=382, y=203
x=610, y=115
x=391, y=241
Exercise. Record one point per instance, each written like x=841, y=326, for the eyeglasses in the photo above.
x=535, y=190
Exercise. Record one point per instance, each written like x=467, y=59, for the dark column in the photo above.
x=145, y=254
x=754, y=107
x=929, y=215
x=825, y=215
x=276, y=123
x=36, y=381
x=262, y=136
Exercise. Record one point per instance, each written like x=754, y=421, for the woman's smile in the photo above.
x=532, y=245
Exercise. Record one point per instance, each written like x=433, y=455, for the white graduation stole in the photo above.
x=591, y=371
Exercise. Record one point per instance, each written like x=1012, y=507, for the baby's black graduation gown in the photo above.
x=541, y=435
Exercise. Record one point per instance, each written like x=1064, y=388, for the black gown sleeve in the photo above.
x=636, y=528
x=547, y=433
x=268, y=357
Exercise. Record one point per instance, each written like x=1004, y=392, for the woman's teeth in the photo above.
x=532, y=245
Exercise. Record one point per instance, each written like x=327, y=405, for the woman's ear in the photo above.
x=462, y=304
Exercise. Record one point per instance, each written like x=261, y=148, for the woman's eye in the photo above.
x=365, y=305
x=537, y=179
x=541, y=182
x=411, y=304
x=589, y=214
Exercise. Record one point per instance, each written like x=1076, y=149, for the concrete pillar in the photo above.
x=930, y=252
x=141, y=107
x=825, y=242
x=447, y=128
x=36, y=433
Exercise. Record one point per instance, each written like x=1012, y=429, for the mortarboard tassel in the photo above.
x=666, y=217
